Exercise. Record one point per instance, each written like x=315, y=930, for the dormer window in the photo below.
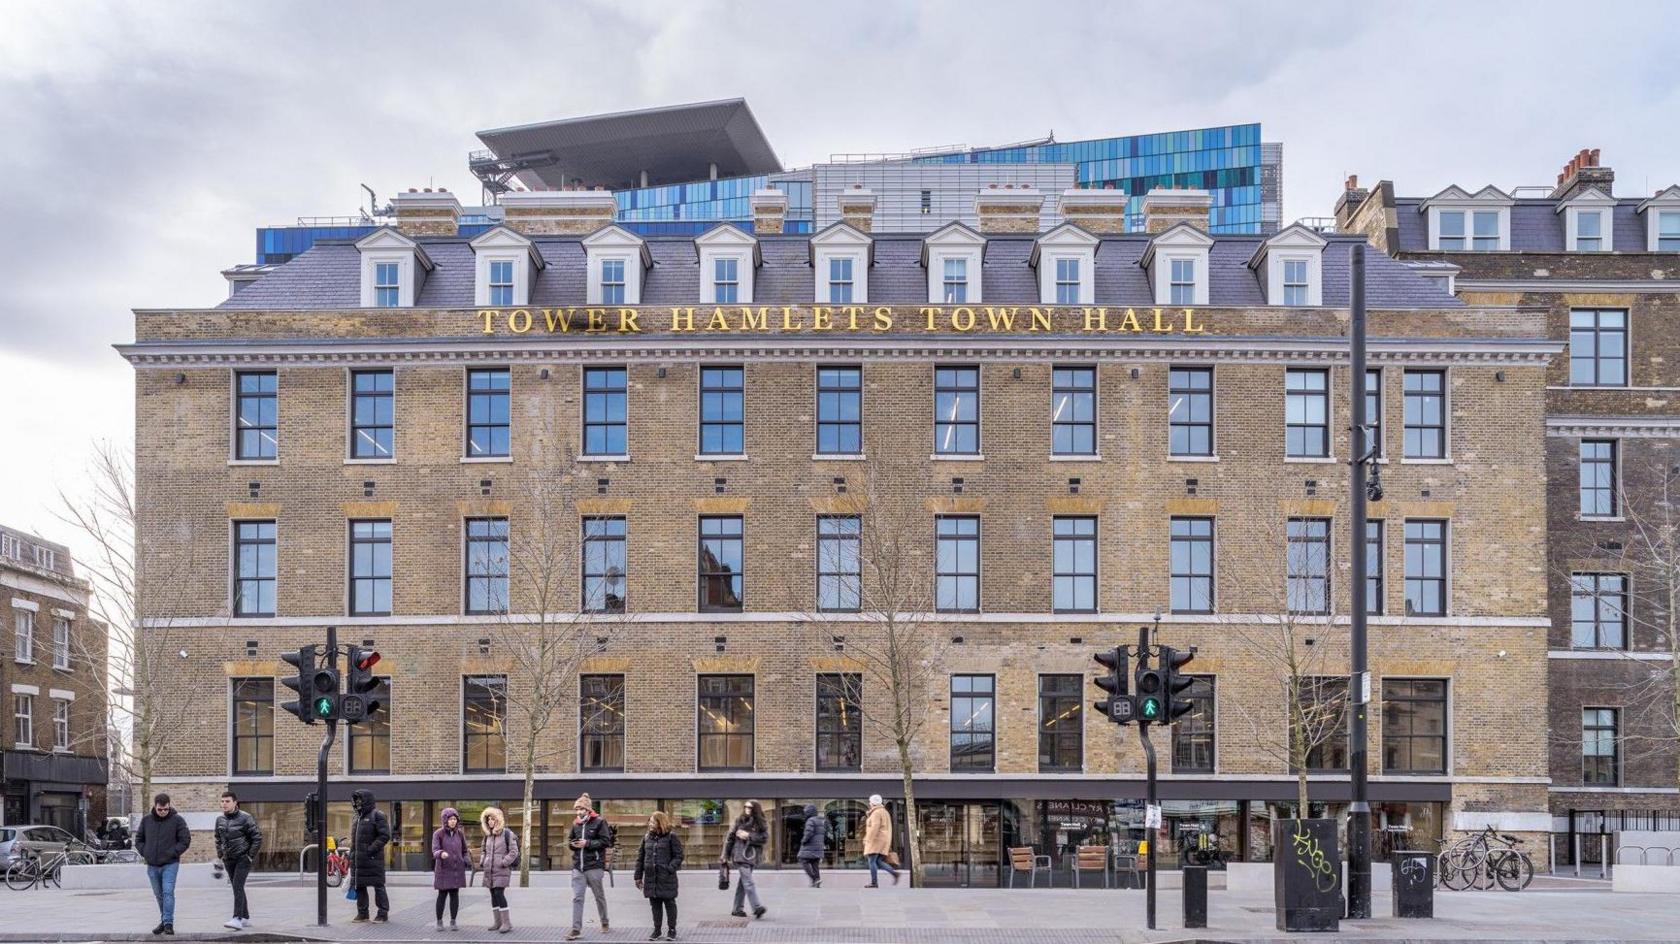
x=617, y=261
x=386, y=290
x=1067, y=281
x=612, y=282
x=1464, y=222
x=1182, y=289
x=726, y=281
x=840, y=257
x=1586, y=218
x=1177, y=263
x=956, y=281
x=952, y=256
x=393, y=268
x=501, y=282
x=1290, y=265
x=506, y=267
x=1662, y=221
x=728, y=257
x=1066, y=260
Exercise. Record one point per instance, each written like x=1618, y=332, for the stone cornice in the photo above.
x=1223, y=348
x=1618, y=427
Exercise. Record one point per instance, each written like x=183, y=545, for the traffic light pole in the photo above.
x=1152, y=800
x=1359, y=810
x=321, y=787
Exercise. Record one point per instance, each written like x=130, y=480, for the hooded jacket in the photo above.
x=368, y=837
x=449, y=871
x=657, y=863
x=877, y=831
x=748, y=851
x=501, y=853
x=163, y=839
x=814, y=843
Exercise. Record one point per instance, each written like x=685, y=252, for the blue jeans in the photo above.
x=879, y=861
x=162, y=878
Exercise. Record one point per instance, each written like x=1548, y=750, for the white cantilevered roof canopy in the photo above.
x=673, y=144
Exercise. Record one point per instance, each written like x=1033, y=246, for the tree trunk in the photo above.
x=912, y=830
x=525, y=818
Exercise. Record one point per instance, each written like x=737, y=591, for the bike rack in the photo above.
x=302, y=855
x=1645, y=854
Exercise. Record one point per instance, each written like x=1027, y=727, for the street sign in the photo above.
x=1364, y=688
x=1152, y=817
x=1121, y=710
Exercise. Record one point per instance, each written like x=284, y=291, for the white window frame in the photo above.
x=500, y=244
x=954, y=242
x=726, y=241
x=1293, y=243
x=1066, y=241
x=1454, y=199
x=61, y=724
x=615, y=244
x=1665, y=204
x=11, y=546
x=841, y=241
x=23, y=634
x=23, y=716
x=1073, y=284
x=45, y=557
x=390, y=246
x=1180, y=243
x=1656, y=229
x=61, y=647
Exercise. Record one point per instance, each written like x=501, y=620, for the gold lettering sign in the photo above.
x=850, y=319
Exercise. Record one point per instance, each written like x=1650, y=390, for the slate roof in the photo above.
x=1536, y=226
x=328, y=275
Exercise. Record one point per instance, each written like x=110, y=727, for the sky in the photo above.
x=141, y=145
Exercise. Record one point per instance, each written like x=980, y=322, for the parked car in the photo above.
x=15, y=840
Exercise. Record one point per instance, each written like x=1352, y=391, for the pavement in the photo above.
x=842, y=912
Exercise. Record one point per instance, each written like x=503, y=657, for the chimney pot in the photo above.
x=1352, y=182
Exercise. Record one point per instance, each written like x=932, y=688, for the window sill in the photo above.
x=390, y=461
x=839, y=457
x=953, y=457
x=250, y=773
x=1192, y=458
x=1405, y=461
x=24, y=661
x=721, y=457
x=1311, y=460
x=240, y=616
x=1066, y=458
x=486, y=460
x=64, y=669
x=1608, y=519
x=253, y=462
x=618, y=458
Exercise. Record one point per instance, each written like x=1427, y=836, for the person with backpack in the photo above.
x=499, y=859
x=657, y=862
x=449, y=865
x=813, y=844
x=744, y=850
x=589, y=839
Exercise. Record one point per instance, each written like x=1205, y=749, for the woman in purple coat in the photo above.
x=449, y=865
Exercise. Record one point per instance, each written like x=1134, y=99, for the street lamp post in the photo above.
x=1359, y=678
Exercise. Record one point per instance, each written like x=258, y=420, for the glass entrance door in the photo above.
x=961, y=843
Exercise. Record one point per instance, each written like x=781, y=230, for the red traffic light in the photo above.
x=368, y=661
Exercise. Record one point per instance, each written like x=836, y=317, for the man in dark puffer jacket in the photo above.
x=237, y=842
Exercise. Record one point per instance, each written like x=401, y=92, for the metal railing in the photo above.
x=1645, y=854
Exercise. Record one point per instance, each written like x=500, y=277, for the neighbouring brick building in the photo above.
x=1081, y=429
x=53, y=674
x=1602, y=270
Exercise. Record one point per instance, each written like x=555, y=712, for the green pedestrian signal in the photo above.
x=1149, y=708
x=323, y=707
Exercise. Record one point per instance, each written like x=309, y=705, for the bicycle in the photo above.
x=338, y=866
x=1482, y=860
x=35, y=868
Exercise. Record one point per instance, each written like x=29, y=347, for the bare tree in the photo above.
x=876, y=569
x=546, y=641
x=134, y=588
x=1281, y=578
x=1646, y=559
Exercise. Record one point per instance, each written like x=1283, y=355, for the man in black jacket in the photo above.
x=162, y=840
x=368, y=837
x=237, y=842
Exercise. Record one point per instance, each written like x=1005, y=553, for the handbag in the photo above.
x=350, y=894
x=723, y=876
x=892, y=858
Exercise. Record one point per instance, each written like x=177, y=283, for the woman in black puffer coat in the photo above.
x=657, y=862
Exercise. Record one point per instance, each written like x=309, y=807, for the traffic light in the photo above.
x=323, y=693
x=1117, y=707
x=302, y=683
x=363, y=691
x=1151, y=685
x=312, y=816
x=1172, y=660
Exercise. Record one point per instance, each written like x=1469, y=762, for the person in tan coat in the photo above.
x=877, y=841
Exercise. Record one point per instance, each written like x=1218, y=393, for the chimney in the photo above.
x=558, y=212
x=1008, y=209
x=1352, y=196
x=1582, y=172
x=857, y=208
x=1099, y=212
x=1164, y=209
x=769, y=211
x=426, y=212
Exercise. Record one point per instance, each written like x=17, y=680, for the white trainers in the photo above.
x=234, y=923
